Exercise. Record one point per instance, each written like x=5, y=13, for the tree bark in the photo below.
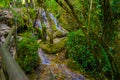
x=12, y=68
x=108, y=28
x=2, y=76
x=113, y=64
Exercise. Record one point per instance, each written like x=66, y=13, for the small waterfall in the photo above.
x=57, y=24
x=38, y=23
x=43, y=58
x=46, y=22
x=55, y=21
x=44, y=18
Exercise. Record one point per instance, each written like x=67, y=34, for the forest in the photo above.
x=59, y=39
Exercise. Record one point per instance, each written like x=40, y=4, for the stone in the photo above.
x=4, y=30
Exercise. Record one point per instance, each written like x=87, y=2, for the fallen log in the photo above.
x=13, y=70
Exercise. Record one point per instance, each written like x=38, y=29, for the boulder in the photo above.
x=4, y=29
x=54, y=48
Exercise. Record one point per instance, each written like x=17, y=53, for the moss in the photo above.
x=32, y=76
x=73, y=65
x=58, y=34
x=54, y=48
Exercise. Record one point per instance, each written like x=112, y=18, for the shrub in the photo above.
x=87, y=58
x=27, y=53
x=78, y=50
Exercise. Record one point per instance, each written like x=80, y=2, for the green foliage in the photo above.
x=32, y=14
x=78, y=50
x=94, y=62
x=2, y=4
x=39, y=33
x=116, y=6
x=27, y=53
x=52, y=5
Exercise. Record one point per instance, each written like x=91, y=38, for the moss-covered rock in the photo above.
x=54, y=48
x=58, y=34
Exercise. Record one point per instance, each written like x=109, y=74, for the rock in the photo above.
x=4, y=30
x=54, y=48
x=58, y=34
x=2, y=39
x=4, y=26
x=7, y=14
x=56, y=40
x=6, y=17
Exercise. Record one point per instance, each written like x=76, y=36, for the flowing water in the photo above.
x=46, y=22
x=55, y=68
x=44, y=59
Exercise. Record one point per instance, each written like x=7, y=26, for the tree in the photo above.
x=108, y=28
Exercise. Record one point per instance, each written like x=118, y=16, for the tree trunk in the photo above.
x=115, y=69
x=10, y=65
x=108, y=28
x=2, y=76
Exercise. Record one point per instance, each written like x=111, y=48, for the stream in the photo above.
x=56, y=69
x=43, y=58
x=52, y=66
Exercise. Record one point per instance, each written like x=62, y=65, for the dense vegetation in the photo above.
x=92, y=41
x=90, y=60
x=27, y=53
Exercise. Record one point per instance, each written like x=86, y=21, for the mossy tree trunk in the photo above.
x=108, y=28
x=2, y=76
x=114, y=66
x=13, y=70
